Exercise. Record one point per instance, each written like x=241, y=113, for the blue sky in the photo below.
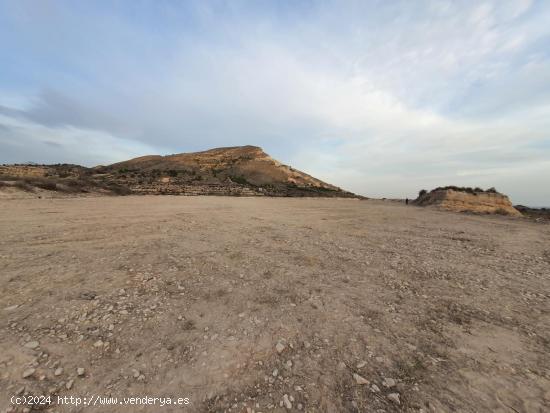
x=382, y=98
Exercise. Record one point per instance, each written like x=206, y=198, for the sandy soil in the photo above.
x=252, y=304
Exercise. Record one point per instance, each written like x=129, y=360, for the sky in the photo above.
x=382, y=98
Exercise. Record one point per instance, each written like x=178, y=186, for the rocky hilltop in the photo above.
x=468, y=200
x=240, y=171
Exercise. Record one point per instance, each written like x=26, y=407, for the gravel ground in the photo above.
x=272, y=305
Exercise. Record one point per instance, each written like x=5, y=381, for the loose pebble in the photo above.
x=388, y=382
x=360, y=380
x=28, y=373
x=287, y=402
x=394, y=397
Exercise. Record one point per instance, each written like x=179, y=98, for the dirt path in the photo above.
x=252, y=304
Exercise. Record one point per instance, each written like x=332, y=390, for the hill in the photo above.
x=241, y=170
x=462, y=199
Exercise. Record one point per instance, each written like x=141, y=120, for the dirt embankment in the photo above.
x=481, y=202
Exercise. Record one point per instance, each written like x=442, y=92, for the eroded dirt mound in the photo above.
x=462, y=200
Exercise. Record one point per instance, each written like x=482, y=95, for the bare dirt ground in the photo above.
x=273, y=305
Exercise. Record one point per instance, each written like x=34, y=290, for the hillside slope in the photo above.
x=239, y=171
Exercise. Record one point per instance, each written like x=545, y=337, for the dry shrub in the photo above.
x=44, y=184
x=23, y=185
x=501, y=211
x=119, y=189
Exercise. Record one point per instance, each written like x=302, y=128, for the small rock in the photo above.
x=58, y=372
x=389, y=383
x=69, y=384
x=28, y=373
x=287, y=402
x=11, y=307
x=394, y=397
x=374, y=388
x=98, y=343
x=275, y=373
x=359, y=379
x=80, y=371
x=361, y=364
x=135, y=373
x=280, y=347
x=341, y=365
x=88, y=295
x=32, y=344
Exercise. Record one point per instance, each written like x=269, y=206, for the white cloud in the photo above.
x=25, y=141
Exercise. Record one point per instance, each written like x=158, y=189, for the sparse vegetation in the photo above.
x=44, y=184
x=118, y=189
x=501, y=211
x=240, y=180
x=21, y=184
x=465, y=189
x=534, y=213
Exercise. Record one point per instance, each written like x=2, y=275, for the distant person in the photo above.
x=406, y=201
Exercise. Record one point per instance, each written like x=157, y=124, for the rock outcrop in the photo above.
x=468, y=200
